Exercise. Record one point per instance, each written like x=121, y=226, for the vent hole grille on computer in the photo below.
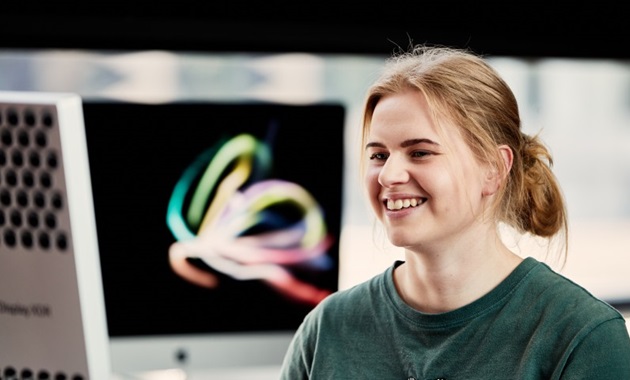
x=31, y=200
x=11, y=373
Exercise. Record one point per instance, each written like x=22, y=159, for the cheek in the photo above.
x=372, y=186
x=465, y=191
x=445, y=188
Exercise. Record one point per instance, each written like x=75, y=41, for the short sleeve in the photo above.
x=299, y=355
x=604, y=353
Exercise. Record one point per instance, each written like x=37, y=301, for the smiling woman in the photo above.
x=409, y=158
x=445, y=165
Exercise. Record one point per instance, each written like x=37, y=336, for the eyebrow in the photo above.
x=404, y=144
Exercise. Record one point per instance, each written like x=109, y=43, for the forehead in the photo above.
x=408, y=115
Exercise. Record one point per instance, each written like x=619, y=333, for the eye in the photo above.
x=420, y=153
x=378, y=156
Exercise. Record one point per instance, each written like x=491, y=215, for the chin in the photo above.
x=402, y=240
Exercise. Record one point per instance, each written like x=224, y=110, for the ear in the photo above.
x=495, y=176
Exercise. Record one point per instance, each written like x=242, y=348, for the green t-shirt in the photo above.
x=536, y=324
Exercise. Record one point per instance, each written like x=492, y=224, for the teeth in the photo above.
x=402, y=203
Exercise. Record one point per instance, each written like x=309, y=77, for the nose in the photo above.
x=393, y=172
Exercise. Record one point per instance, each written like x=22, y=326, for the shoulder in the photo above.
x=362, y=298
x=558, y=296
x=355, y=296
x=564, y=326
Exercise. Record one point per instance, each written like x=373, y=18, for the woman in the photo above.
x=445, y=166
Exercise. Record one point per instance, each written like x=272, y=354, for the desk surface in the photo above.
x=250, y=373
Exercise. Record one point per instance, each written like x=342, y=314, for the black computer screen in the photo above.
x=215, y=217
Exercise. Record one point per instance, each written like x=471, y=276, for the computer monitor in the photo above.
x=218, y=227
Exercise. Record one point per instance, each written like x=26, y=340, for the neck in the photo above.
x=436, y=281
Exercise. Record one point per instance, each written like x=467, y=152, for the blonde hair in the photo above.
x=463, y=88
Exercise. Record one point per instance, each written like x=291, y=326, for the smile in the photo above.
x=399, y=204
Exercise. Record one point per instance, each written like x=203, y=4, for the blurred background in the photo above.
x=567, y=62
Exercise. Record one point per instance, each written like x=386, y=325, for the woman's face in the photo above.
x=425, y=187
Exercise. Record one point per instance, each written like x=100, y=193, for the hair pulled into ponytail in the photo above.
x=537, y=201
